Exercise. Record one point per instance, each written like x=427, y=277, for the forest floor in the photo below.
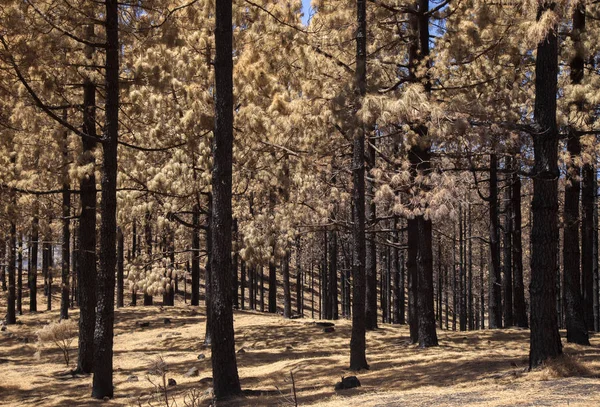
x=479, y=368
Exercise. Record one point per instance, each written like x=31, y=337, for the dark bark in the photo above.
x=299, y=275
x=242, y=284
x=495, y=277
x=32, y=277
x=358, y=359
x=332, y=289
x=120, y=264
x=272, y=304
x=411, y=267
x=225, y=375
x=576, y=330
x=11, y=316
x=507, y=284
x=287, y=295
x=208, y=276
x=420, y=246
x=134, y=253
x=545, y=340
x=86, y=270
x=574, y=317
x=20, y=278
x=234, y=267
x=470, y=271
x=520, y=310
x=195, y=296
x=588, y=197
x=396, y=270
x=47, y=267
x=462, y=271
x=103, y=336
x=148, y=300
x=66, y=231
x=371, y=247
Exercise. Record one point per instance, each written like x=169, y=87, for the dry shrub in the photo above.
x=564, y=366
x=60, y=334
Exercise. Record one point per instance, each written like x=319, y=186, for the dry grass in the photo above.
x=482, y=368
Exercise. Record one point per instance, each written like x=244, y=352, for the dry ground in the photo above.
x=483, y=368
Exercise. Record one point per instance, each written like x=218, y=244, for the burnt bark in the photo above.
x=120, y=264
x=32, y=277
x=545, y=339
x=195, y=296
x=103, y=335
x=495, y=277
x=358, y=359
x=225, y=375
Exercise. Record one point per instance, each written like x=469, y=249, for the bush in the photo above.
x=60, y=334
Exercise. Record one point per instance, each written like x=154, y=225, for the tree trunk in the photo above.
x=20, y=278
x=103, y=335
x=66, y=230
x=420, y=246
x=371, y=247
x=32, y=278
x=120, y=263
x=208, y=276
x=332, y=288
x=134, y=245
x=148, y=300
x=234, y=266
x=287, y=296
x=520, y=314
x=86, y=270
x=299, y=287
x=396, y=269
x=225, y=375
x=242, y=283
x=11, y=316
x=545, y=339
x=507, y=284
x=47, y=266
x=576, y=330
x=588, y=197
x=195, y=296
x=495, y=278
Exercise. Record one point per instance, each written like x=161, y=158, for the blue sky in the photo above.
x=305, y=11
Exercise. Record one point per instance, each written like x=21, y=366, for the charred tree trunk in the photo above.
x=195, y=295
x=234, y=265
x=20, y=278
x=507, y=283
x=358, y=343
x=134, y=245
x=11, y=316
x=545, y=340
x=332, y=276
x=576, y=330
x=66, y=230
x=103, y=335
x=588, y=197
x=32, y=278
x=287, y=296
x=225, y=375
x=396, y=269
x=86, y=270
x=299, y=275
x=208, y=271
x=495, y=278
x=371, y=247
x=520, y=314
x=120, y=264
x=148, y=300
